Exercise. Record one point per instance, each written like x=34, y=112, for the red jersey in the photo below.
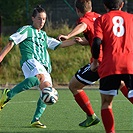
x=116, y=32
x=89, y=19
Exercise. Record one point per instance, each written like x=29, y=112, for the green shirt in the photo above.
x=34, y=44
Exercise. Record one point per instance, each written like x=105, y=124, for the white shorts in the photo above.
x=32, y=67
x=111, y=92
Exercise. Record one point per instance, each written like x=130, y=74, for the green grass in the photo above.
x=62, y=117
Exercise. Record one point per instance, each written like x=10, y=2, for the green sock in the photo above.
x=24, y=85
x=39, y=110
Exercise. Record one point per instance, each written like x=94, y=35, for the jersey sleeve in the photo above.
x=52, y=43
x=82, y=20
x=19, y=36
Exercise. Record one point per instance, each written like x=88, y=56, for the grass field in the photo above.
x=62, y=117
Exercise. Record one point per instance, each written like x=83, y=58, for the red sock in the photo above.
x=84, y=102
x=108, y=120
x=124, y=91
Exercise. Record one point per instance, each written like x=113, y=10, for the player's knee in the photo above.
x=122, y=84
x=40, y=77
x=74, y=86
x=45, y=84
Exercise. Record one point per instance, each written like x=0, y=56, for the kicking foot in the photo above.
x=4, y=98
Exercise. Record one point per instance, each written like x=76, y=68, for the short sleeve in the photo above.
x=20, y=35
x=52, y=43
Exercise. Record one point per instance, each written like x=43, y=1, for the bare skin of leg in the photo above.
x=75, y=86
x=122, y=84
x=43, y=84
x=106, y=101
x=107, y=114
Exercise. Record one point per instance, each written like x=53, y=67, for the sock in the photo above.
x=24, y=85
x=124, y=91
x=39, y=110
x=84, y=102
x=108, y=120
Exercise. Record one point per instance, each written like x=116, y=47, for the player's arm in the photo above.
x=54, y=43
x=95, y=53
x=77, y=30
x=96, y=47
x=67, y=43
x=6, y=49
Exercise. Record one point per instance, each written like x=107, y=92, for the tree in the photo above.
x=17, y=12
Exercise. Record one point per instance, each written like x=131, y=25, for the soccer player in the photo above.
x=114, y=32
x=35, y=60
x=84, y=76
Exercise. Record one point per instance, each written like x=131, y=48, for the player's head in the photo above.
x=113, y=4
x=38, y=9
x=83, y=6
x=39, y=17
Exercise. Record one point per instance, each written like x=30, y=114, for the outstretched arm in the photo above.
x=67, y=43
x=5, y=50
x=77, y=30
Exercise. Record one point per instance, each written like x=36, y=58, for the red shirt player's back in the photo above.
x=116, y=32
x=89, y=19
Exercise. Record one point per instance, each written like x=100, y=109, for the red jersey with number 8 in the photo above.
x=116, y=32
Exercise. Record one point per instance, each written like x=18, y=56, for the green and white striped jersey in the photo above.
x=34, y=44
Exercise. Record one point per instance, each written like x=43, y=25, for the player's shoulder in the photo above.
x=24, y=28
x=97, y=14
x=128, y=14
x=90, y=17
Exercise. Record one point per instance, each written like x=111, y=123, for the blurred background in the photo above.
x=14, y=14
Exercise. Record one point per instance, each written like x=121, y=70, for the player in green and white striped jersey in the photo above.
x=35, y=60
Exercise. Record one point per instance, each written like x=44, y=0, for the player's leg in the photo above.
x=38, y=113
x=41, y=106
x=108, y=89
x=82, y=78
x=30, y=71
x=107, y=97
x=24, y=85
x=107, y=113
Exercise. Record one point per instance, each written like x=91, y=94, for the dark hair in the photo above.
x=112, y=4
x=83, y=5
x=37, y=10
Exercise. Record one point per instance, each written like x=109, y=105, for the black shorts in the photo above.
x=86, y=76
x=110, y=84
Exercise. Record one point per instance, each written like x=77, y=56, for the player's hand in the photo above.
x=79, y=40
x=62, y=37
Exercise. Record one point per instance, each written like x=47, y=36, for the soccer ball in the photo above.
x=49, y=95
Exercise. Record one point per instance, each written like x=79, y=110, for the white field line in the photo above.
x=18, y=102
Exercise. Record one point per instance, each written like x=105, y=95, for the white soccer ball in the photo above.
x=49, y=95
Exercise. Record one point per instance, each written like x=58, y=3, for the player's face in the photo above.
x=39, y=20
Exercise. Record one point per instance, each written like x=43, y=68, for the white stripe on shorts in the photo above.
x=110, y=92
x=86, y=81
